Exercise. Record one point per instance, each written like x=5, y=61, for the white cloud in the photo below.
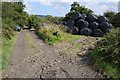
x=51, y=2
x=27, y=6
x=59, y=8
x=100, y=7
x=68, y=1
x=94, y=5
x=45, y=2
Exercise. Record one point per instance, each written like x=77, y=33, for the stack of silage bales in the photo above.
x=89, y=25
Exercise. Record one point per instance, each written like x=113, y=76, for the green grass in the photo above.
x=107, y=54
x=47, y=35
x=32, y=47
x=63, y=37
x=6, y=49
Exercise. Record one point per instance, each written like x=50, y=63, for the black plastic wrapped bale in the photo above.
x=97, y=33
x=108, y=30
x=110, y=26
x=70, y=23
x=86, y=24
x=81, y=24
x=83, y=15
x=93, y=25
x=76, y=15
x=75, y=30
x=86, y=31
x=103, y=26
x=90, y=18
x=101, y=19
x=64, y=23
x=107, y=20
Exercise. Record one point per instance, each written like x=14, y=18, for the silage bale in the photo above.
x=83, y=15
x=97, y=33
x=101, y=19
x=81, y=24
x=108, y=30
x=75, y=30
x=86, y=24
x=103, y=26
x=110, y=26
x=70, y=23
x=90, y=18
x=86, y=31
x=76, y=15
x=93, y=25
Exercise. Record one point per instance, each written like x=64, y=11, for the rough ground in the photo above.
x=47, y=61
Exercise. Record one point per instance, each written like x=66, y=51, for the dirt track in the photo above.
x=47, y=61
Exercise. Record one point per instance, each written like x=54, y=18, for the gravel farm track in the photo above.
x=46, y=61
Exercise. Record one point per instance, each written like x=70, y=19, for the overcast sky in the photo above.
x=61, y=7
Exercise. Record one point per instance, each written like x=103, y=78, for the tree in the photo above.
x=79, y=8
x=19, y=7
x=116, y=20
x=74, y=6
x=12, y=14
x=34, y=21
x=55, y=19
x=48, y=18
x=82, y=9
x=109, y=15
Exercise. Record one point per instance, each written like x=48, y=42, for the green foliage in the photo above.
x=7, y=32
x=76, y=7
x=67, y=16
x=18, y=6
x=109, y=15
x=116, y=20
x=12, y=15
x=55, y=19
x=14, y=11
x=46, y=34
x=6, y=47
x=82, y=9
x=50, y=18
x=61, y=19
x=34, y=21
x=107, y=54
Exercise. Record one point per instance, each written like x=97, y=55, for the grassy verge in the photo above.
x=6, y=48
x=32, y=47
x=107, y=54
x=46, y=33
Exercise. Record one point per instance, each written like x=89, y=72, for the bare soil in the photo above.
x=48, y=61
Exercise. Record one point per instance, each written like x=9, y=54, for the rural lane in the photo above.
x=46, y=62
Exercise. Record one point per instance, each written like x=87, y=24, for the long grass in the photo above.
x=107, y=54
x=31, y=44
x=6, y=50
x=46, y=33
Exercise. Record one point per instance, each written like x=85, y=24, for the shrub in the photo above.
x=47, y=35
x=107, y=54
x=7, y=32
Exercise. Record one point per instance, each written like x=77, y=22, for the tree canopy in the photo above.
x=113, y=17
x=75, y=6
x=13, y=14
